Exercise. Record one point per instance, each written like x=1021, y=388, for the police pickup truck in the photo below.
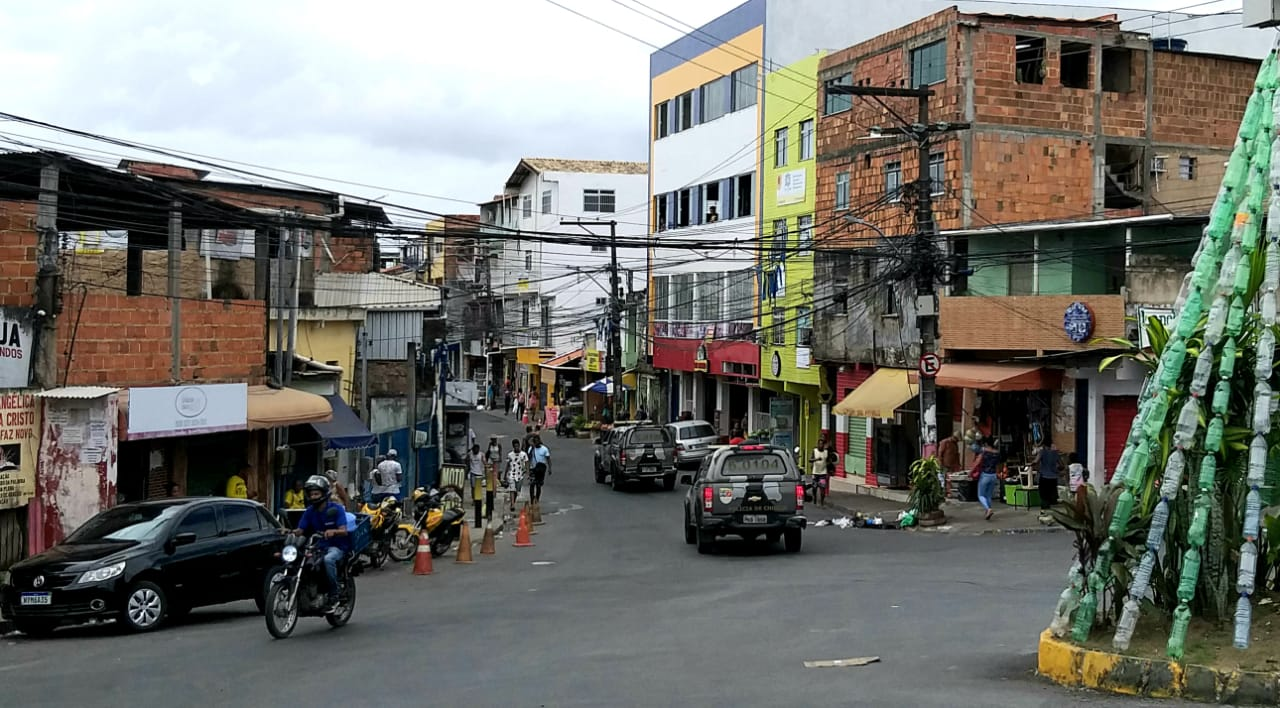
x=749, y=490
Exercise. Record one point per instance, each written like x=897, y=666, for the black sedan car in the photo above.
x=145, y=563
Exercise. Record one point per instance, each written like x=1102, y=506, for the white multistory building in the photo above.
x=553, y=283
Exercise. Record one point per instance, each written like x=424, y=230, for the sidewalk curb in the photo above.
x=6, y=627
x=1073, y=667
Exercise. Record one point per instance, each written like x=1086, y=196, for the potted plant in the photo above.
x=927, y=494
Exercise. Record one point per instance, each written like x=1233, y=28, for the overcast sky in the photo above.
x=434, y=97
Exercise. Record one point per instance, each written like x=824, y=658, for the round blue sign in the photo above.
x=1077, y=322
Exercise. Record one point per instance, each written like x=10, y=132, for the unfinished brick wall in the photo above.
x=351, y=254
x=105, y=272
x=1200, y=99
x=119, y=340
x=1028, y=177
x=17, y=253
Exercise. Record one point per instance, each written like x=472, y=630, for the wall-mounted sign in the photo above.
x=176, y=411
x=775, y=365
x=1077, y=322
x=591, y=361
x=804, y=357
x=791, y=187
x=700, y=358
x=15, y=347
x=18, y=443
x=1163, y=314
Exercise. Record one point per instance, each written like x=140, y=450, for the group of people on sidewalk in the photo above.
x=985, y=470
x=489, y=472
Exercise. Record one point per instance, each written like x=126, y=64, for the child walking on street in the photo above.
x=517, y=465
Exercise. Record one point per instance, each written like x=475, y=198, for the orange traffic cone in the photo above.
x=522, y=531
x=464, y=546
x=528, y=511
x=422, y=561
x=487, y=545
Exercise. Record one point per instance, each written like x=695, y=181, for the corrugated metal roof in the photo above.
x=77, y=392
x=374, y=291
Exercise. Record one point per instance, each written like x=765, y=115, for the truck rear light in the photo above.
x=622, y=456
x=706, y=498
x=799, y=497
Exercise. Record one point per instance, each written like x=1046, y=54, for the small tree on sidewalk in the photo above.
x=927, y=494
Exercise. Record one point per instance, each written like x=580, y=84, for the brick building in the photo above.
x=1085, y=143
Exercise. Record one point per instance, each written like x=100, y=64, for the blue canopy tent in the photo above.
x=345, y=431
x=603, y=386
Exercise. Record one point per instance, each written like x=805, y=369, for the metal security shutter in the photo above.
x=1118, y=413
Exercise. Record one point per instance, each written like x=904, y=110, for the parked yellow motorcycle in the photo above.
x=384, y=518
x=437, y=512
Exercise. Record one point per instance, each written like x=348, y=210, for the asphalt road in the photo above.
x=611, y=608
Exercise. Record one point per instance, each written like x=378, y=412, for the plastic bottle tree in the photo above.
x=1213, y=327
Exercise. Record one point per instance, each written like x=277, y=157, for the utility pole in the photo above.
x=278, y=297
x=364, y=375
x=924, y=250
x=295, y=258
x=613, y=353
x=47, y=286
x=175, y=303
x=411, y=460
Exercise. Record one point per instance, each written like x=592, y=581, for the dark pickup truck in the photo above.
x=747, y=491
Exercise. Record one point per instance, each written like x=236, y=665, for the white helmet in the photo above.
x=391, y=453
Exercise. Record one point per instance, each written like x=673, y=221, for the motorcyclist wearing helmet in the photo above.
x=328, y=518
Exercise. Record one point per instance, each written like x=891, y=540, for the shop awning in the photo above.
x=997, y=377
x=879, y=396
x=345, y=431
x=282, y=407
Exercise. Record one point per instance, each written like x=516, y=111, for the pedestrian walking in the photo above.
x=540, y=456
x=819, y=460
x=492, y=462
x=475, y=475
x=506, y=399
x=517, y=465
x=985, y=463
x=949, y=459
x=386, y=477
x=1049, y=465
x=520, y=404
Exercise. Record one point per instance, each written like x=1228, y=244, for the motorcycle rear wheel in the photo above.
x=441, y=544
x=403, y=546
x=348, y=606
x=280, y=622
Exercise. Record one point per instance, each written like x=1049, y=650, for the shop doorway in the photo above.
x=738, y=405
x=211, y=459
x=709, y=407
x=1118, y=412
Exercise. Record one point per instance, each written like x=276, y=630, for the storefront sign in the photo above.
x=775, y=365
x=176, y=411
x=1077, y=322
x=15, y=347
x=1163, y=314
x=791, y=187
x=591, y=361
x=700, y=358
x=18, y=447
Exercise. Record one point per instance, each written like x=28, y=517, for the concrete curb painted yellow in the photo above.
x=1076, y=667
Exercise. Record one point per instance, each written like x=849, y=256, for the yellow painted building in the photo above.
x=328, y=336
x=790, y=232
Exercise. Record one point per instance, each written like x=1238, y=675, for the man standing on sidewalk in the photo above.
x=1048, y=462
x=386, y=478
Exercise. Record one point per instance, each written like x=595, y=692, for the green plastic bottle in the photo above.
x=1178, y=633
x=1120, y=518
x=1243, y=273
x=1190, y=573
x=1235, y=317
x=1213, y=434
x=1208, y=473
x=1199, y=521
x=1227, y=361
x=1190, y=315
x=1085, y=614
x=1221, y=398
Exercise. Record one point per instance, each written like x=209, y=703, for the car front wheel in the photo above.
x=145, y=607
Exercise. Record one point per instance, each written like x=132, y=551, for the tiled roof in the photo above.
x=374, y=291
x=607, y=167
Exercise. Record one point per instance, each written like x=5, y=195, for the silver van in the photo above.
x=694, y=441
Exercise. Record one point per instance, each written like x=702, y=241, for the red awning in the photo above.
x=997, y=377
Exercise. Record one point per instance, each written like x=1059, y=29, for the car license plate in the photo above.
x=755, y=518
x=37, y=598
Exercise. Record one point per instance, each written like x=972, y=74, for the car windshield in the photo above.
x=702, y=430
x=754, y=465
x=649, y=436
x=125, y=523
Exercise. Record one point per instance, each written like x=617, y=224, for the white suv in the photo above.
x=694, y=440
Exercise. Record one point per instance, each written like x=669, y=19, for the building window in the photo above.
x=1029, y=63
x=1117, y=69
x=710, y=291
x=779, y=240
x=526, y=205
x=661, y=307
x=1022, y=275
x=890, y=300
x=1073, y=64
x=684, y=111
x=682, y=297
x=804, y=327
x=524, y=313
x=893, y=180
x=598, y=248
x=528, y=261
x=804, y=227
x=743, y=196
x=1186, y=167
x=546, y=201
x=835, y=103
x=684, y=205
x=780, y=147
x=929, y=64
x=806, y=140
x=602, y=301
x=714, y=99
x=740, y=296
x=779, y=326
x=598, y=201
x=937, y=173
x=744, y=87
x=662, y=120
x=660, y=212
x=842, y=191
x=711, y=202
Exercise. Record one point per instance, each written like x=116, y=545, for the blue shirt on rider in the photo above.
x=330, y=516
